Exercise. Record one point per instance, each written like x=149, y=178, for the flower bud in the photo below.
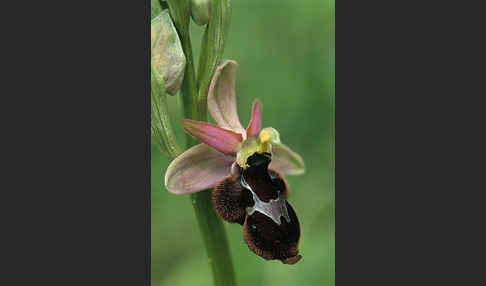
x=200, y=11
x=167, y=55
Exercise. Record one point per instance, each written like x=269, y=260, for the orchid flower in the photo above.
x=245, y=168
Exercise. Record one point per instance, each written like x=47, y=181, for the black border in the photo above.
x=408, y=114
x=78, y=168
x=148, y=109
x=409, y=147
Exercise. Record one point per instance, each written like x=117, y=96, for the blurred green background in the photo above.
x=285, y=55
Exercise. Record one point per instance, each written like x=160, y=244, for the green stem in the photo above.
x=215, y=239
x=211, y=226
x=195, y=107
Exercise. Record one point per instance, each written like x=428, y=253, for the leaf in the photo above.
x=161, y=127
x=155, y=8
x=180, y=10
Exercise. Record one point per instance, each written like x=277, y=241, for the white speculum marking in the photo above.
x=273, y=209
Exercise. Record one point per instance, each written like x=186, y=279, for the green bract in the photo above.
x=167, y=55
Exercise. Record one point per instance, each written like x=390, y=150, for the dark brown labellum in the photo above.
x=256, y=198
x=272, y=241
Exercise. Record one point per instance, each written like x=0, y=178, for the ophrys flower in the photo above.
x=245, y=168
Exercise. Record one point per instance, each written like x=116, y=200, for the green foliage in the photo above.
x=155, y=8
x=161, y=128
x=200, y=11
x=181, y=13
x=213, y=44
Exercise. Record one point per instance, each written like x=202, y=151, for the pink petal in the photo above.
x=197, y=169
x=223, y=140
x=286, y=161
x=256, y=120
x=222, y=97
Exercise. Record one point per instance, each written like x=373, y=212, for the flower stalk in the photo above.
x=211, y=226
x=195, y=107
